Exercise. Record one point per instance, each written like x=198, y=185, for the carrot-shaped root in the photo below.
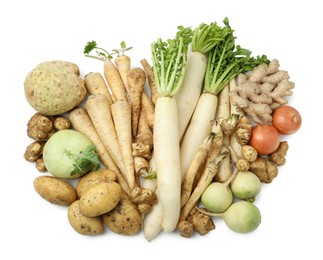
x=99, y=110
x=123, y=63
x=211, y=169
x=151, y=80
x=114, y=80
x=144, y=133
x=121, y=113
x=234, y=110
x=199, y=159
x=225, y=169
x=123, y=66
x=136, y=81
x=95, y=83
x=81, y=121
x=148, y=109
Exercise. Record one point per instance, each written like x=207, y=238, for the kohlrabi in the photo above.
x=69, y=154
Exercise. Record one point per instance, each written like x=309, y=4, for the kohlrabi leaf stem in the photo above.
x=84, y=161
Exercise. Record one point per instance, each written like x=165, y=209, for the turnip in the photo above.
x=69, y=154
x=245, y=185
x=217, y=197
x=240, y=217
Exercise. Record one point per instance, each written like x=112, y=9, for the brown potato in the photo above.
x=93, y=177
x=83, y=224
x=55, y=190
x=125, y=218
x=100, y=198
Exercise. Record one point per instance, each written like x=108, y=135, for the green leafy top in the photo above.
x=226, y=61
x=102, y=54
x=169, y=61
x=206, y=37
x=85, y=161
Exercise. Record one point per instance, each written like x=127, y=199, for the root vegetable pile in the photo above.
x=168, y=146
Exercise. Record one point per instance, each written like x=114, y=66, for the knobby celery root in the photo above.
x=81, y=121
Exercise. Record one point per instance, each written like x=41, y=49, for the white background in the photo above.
x=36, y=31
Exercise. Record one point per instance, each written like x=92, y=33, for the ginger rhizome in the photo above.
x=265, y=89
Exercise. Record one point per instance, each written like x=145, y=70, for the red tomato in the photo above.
x=287, y=120
x=265, y=139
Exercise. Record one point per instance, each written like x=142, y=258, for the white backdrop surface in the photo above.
x=35, y=31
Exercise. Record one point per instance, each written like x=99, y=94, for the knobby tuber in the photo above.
x=264, y=169
x=279, y=156
x=243, y=130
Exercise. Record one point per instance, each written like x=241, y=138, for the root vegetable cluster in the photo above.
x=171, y=145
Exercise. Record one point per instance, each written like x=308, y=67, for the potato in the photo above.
x=83, y=224
x=54, y=87
x=103, y=175
x=55, y=190
x=125, y=218
x=100, y=198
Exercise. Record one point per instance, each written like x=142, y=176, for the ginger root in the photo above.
x=279, y=156
x=264, y=169
x=264, y=90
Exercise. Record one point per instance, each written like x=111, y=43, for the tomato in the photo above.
x=287, y=120
x=265, y=139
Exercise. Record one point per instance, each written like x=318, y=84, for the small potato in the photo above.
x=125, y=218
x=83, y=224
x=100, y=198
x=103, y=175
x=55, y=190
